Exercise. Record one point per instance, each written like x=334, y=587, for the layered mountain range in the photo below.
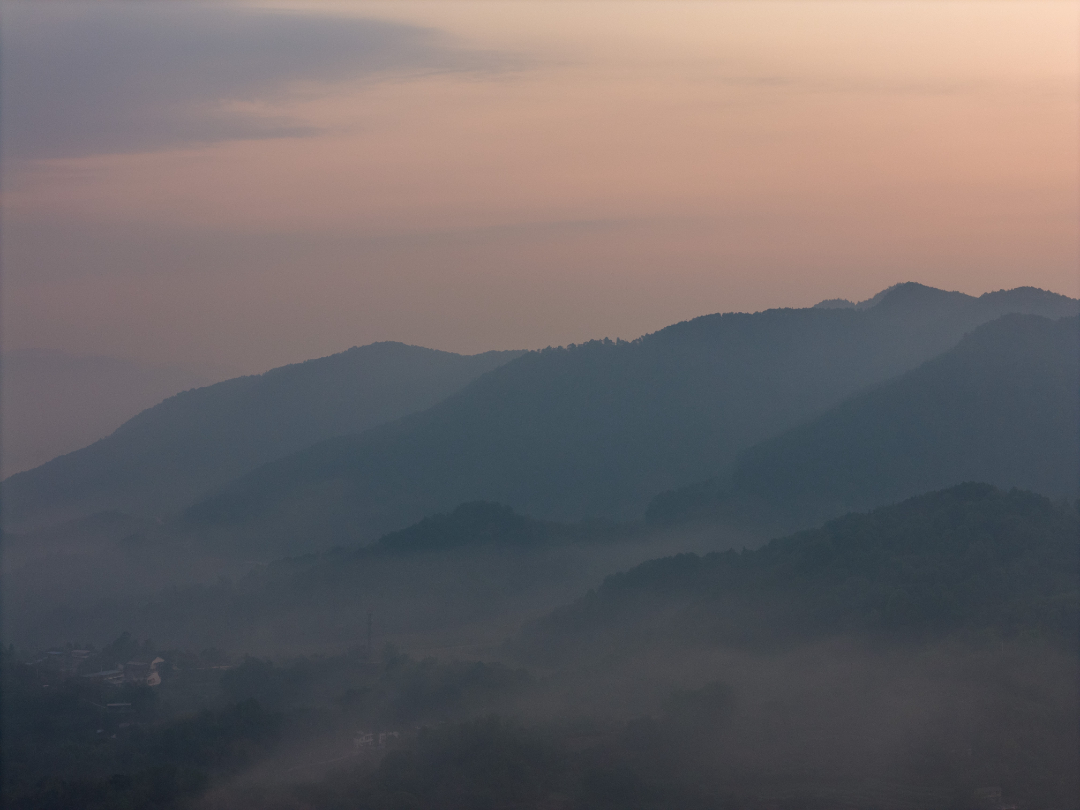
x=961, y=559
x=601, y=428
x=823, y=557
x=346, y=448
x=1001, y=406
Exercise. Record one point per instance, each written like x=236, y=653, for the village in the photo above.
x=66, y=663
x=63, y=667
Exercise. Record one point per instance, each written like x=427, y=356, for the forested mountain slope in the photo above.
x=970, y=559
x=599, y=429
x=170, y=454
x=1003, y=406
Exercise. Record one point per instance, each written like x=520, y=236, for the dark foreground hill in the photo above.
x=170, y=454
x=1002, y=407
x=971, y=560
x=921, y=656
x=599, y=429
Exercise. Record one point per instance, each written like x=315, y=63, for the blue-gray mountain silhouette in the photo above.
x=1003, y=406
x=599, y=429
x=169, y=455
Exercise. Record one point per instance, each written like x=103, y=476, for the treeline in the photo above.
x=70, y=741
x=907, y=657
x=971, y=559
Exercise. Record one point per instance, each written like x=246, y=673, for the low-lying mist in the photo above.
x=922, y=655
x=442, y=600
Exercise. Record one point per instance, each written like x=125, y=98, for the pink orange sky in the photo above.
x=254, y=184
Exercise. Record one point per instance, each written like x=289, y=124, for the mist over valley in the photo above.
x=558, y=582
x=539, y=406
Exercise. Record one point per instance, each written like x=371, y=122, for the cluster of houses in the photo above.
x=138, y=673
x=72, y=662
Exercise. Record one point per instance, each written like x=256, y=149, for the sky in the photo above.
x=244, y=185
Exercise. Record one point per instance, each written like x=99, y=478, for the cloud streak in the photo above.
x=119, y=78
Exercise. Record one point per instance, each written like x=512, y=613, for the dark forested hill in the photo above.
x=923, y=655
x=971, y=558
x=1003, y=406
x=170, y=454
x=599, y=429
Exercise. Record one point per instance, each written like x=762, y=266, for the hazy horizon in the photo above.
x=253, y=184
x=707, y=545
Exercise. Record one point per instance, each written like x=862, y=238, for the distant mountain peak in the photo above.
x=470, y=524
x=912, y=293
x=1015, y=299
x=903, y=288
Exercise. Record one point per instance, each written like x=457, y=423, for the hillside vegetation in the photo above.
x=1003, y=406
x=921, y=655
x=599, y=429
x=971, y=559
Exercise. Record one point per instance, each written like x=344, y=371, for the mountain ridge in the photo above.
x=597, y=429
x=968, y=558
x=167, y=455
x=1000, y=406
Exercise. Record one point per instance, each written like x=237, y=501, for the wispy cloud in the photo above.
x=123, y=77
